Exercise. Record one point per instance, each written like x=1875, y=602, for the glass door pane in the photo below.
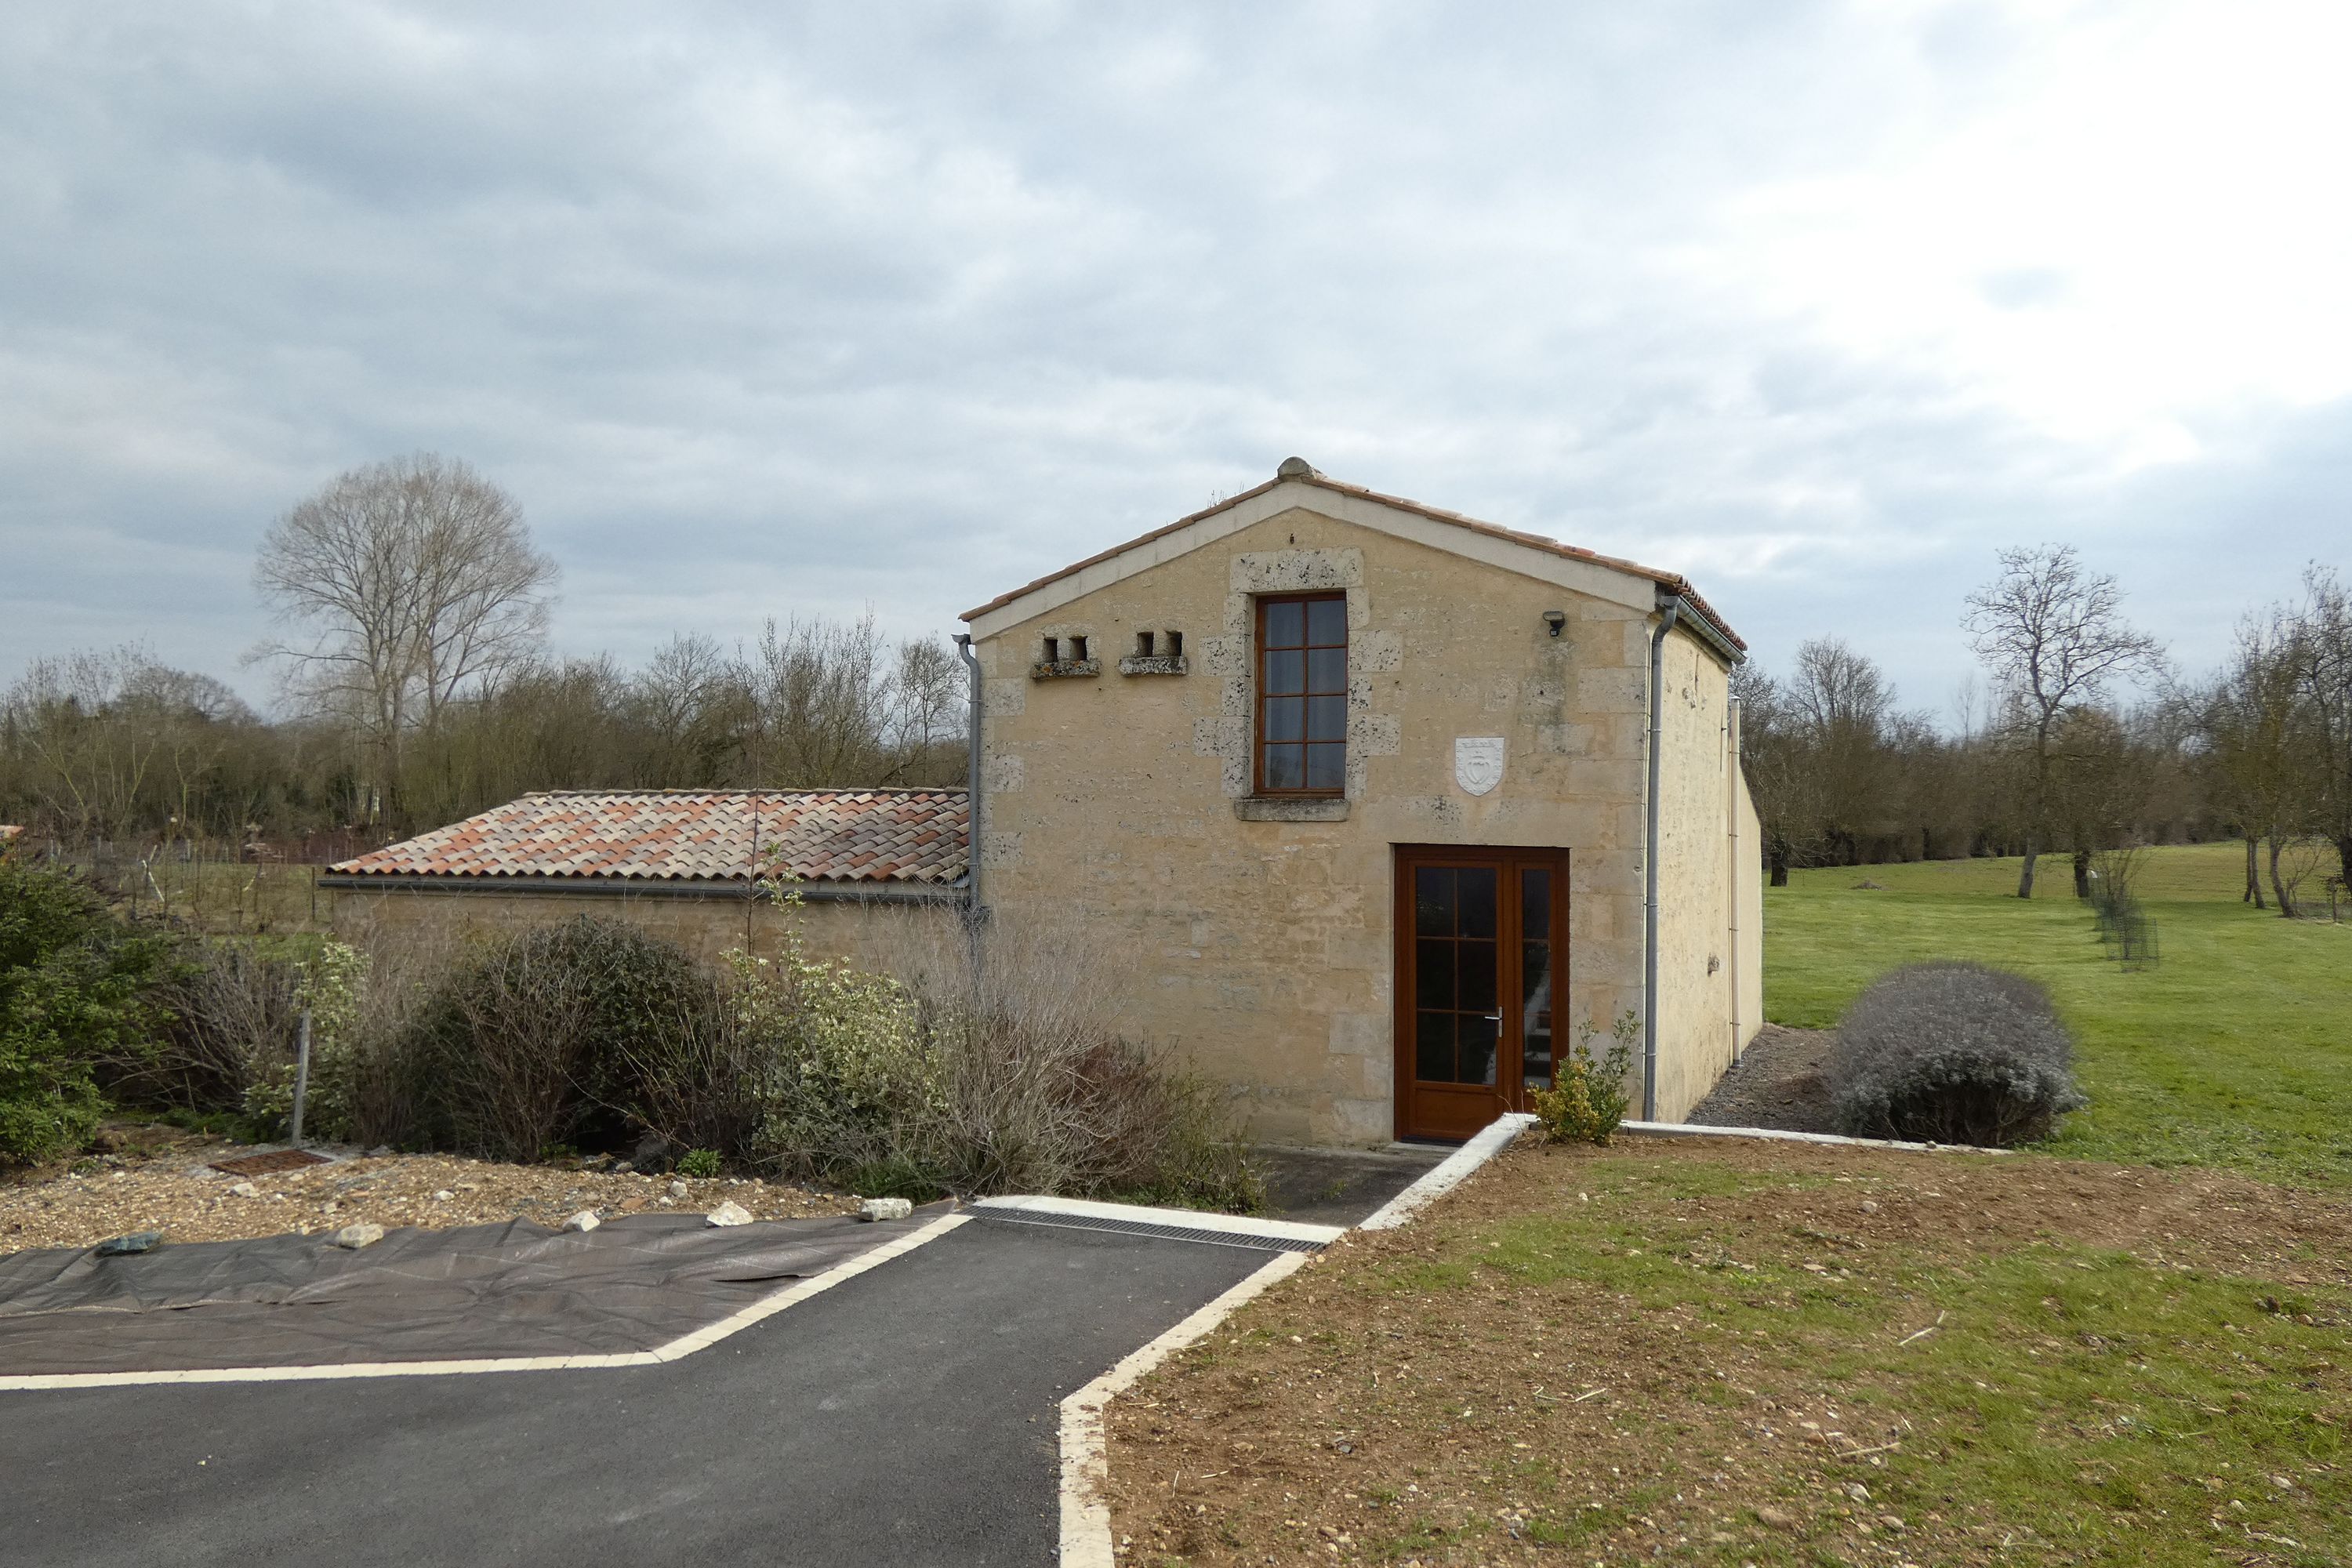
x=1455, y=954
x=1535, y=986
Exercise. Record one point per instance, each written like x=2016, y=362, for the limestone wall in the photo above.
x=868, y=935
x=1749, y=866
x=1696, y=885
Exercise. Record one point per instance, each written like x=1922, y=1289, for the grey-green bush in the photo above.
x=1952, y=1053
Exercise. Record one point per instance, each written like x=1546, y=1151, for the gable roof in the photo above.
x=1296, y=472
x=845, y=837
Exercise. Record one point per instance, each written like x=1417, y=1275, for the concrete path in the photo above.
x=1341, y=1186
x=907, y=1416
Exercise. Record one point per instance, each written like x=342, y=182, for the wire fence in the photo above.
x=223, y=886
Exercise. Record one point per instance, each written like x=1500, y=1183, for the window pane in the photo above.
x=1326, y=718
x=1286, y=718
x=1327, y=670
x=1326, y=621
x=1477, y=1060
x=1432, y=974
x=1285, y=673
x=1327, y=767
x=1285, y=767
x=1433, y=900
x=1477, y=970
x=1478, y=902
x=1284, y=624
x=1535, y=903
x=1434, y=1048
x=1534, y=1055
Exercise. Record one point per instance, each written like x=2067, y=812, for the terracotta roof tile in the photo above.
x=912, y=835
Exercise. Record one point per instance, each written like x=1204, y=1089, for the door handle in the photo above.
x=1492, y=1018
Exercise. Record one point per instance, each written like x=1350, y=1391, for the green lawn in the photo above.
x=2236, y=1050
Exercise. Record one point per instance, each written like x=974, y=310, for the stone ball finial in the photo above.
x=1295, y=468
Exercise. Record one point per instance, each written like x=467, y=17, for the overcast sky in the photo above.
x=904, y=305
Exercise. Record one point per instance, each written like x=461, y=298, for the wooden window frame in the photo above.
x=1259, y=742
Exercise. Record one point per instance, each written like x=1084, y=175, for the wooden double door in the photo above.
x=1480, y=956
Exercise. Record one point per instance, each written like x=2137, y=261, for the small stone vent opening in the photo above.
x=1157, y=652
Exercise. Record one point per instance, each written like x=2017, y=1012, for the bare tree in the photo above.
x=2250, y=725
x=1844, y=709
x=2320, y=652
x=1778, y=765
x=2052, y=637
x=404, y=584
x=105, y=742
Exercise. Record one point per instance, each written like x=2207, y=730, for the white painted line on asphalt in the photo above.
x=1177, y=1219
x=1691, y=1130
x=1086, y=1461
x=1449, y=1172
x=677, y=1348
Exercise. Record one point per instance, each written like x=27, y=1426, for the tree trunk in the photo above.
x=2083, y=875
x=2025, y=876
x=2278, y=888
x=2253, y=894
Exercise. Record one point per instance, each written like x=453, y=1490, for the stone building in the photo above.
x=1362, y=790
x=1358, y=791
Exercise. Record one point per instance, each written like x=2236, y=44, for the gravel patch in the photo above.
x=162, y=1180
x=1777, y=1082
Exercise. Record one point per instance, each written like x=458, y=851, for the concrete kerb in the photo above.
x=1085, y=1459
x=1777, y=1135
x=675, y=1349
x=1200, y=1220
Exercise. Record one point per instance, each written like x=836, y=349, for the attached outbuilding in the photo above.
x=698, y=866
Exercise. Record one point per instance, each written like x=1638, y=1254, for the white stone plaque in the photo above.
x=1479, y=763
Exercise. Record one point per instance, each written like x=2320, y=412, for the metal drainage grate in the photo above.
x=264, y=1164
x=1150, y=1229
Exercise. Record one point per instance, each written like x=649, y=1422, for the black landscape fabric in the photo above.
x=485, y=1290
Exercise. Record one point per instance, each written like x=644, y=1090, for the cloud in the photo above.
x=772, y=314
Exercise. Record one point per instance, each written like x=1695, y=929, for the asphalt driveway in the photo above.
x=908, y=1415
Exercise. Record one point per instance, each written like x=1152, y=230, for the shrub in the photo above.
x=1952, y=1053
x=78, y=990
x=547, y=1038
x=844, y=1078
x=701, y=1163
x=1032, y=1091
x=1588, y=1098
x=234, y=1006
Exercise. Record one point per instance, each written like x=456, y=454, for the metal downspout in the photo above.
x=971, y=903
x=1672, y=610
x=1731, y=874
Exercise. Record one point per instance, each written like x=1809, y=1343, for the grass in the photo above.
x=2235, y=1050
x=1717, y=1356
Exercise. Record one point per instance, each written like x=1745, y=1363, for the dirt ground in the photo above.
x=1406, y=1400
x=1777, y=1082
x=160, y=1178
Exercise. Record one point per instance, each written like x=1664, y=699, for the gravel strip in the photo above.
x=1777, y=1082
x=166, y=1184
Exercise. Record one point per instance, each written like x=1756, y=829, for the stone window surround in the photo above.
x=1230, y=736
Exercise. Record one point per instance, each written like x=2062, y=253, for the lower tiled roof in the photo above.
x=903, y=835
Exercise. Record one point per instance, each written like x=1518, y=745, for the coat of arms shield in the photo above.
x=1479, y=763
